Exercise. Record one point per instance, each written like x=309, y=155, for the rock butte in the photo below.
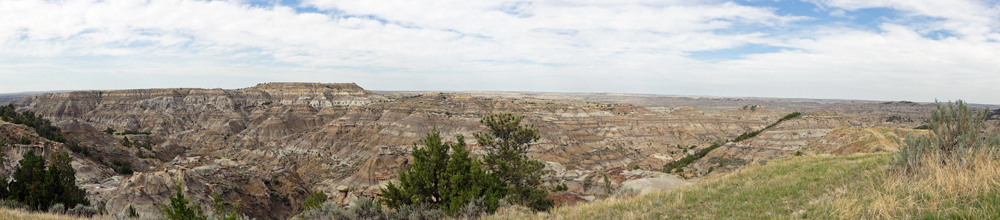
x=265, y=148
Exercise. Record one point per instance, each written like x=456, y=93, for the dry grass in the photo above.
x=936, y=191
x=6, y=213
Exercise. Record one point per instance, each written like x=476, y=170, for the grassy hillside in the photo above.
x=809, y=187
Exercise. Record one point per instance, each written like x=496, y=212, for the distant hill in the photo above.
x=6, y=97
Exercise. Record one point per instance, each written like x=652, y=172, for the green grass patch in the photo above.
x=786, y=188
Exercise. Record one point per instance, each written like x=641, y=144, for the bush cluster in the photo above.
x=42, y=126
x=133, y=132
x=146, y=143
x=898, y=118
x=120, y=166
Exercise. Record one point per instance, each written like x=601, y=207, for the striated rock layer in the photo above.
x=266, y=147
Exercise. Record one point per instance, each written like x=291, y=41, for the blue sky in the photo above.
x=917, y=50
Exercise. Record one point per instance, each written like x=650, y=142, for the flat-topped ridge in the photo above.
x=305, y=85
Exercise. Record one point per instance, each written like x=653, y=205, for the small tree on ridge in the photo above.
x=507, y=143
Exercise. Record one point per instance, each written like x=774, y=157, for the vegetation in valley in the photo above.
x=678, y=165
x=42, y=126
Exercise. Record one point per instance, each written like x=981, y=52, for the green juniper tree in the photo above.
x=507, y=142
x=443, y=181
x=39, y=187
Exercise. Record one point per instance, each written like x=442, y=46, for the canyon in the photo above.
x=264, y=149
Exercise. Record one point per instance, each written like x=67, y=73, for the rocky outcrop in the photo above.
x=256, y=191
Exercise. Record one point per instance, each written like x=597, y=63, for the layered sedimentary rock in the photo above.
x=271, y=144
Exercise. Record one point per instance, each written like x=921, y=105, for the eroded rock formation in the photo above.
x=264, y=148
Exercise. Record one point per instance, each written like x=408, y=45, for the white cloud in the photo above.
x=550, y=45
x=970, y=18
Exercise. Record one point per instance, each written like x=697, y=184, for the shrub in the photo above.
x=74, y=147
x=472, y=210
x=315, y=201
x=417, y=212
x=121, y=167
x=957, y=133
x=327, y=210
x=560, y=188
x=366, y=208
x=24, y=140
x=58, y=209
x=132, y=213
x=82, y=211
x=109, y=131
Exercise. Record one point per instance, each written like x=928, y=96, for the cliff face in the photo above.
x=267, y=147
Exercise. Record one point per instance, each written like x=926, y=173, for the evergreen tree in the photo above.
x=179, y=209
x=507, y=142
x=63, y=179
x=468, y=181
x=39, y=188
x=28, y=180
x=443, y=181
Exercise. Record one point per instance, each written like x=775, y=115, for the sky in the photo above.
x=887, y=50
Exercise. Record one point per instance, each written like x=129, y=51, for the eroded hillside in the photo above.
x=264, y=148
